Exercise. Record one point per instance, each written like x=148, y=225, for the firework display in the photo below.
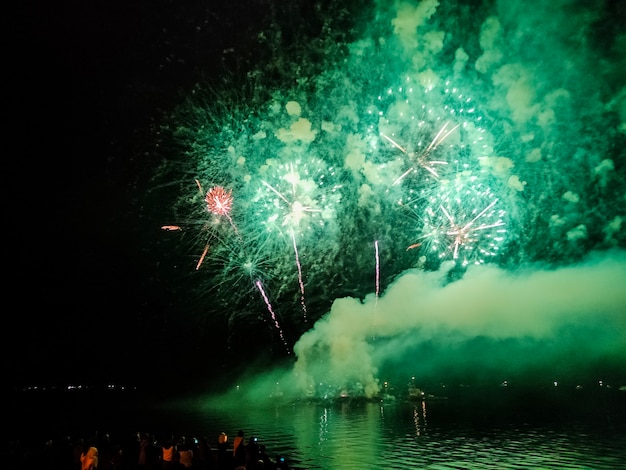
x=406, y=154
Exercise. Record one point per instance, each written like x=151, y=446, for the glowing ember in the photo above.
x=219, y=201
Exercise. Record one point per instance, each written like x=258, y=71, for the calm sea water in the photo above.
x=569, y=432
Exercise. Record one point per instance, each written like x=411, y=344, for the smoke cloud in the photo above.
x=571, y=309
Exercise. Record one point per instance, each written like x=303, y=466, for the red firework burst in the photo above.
x=219, y=201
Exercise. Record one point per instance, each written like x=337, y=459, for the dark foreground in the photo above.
x=46, y=427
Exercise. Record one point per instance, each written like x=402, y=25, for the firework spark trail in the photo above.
x=421, y=160
x=199, y=187
x=295, y=249
x=206, y=250
x=259, y=286
x=296, y=212
x=278, y=193
x=377, y=270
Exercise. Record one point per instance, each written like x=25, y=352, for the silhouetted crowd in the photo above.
x=142, y=451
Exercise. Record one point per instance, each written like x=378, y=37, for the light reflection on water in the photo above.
x=366, y=435
x=585, y=434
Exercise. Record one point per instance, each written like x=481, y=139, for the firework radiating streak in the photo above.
x=296, y=208
x=427, y=165
x=278, y=193
x=259, y=286
x=206, y=250
x=377, y=270
x=460, y=233
x=301, y=283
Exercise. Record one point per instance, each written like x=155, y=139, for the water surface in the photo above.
x=492, y=432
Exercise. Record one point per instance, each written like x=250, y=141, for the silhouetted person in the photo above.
x=239, y=449
x=268, y=463
x=168, y=454
x=204, y=456
x=281, y=463
x=105, y=452
x=145, y=448
x=89, y=458
x=185, y=455
x=78, y=448
x=252, y=453
x=224, y=458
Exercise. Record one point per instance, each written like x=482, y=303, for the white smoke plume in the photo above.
x=534, y=303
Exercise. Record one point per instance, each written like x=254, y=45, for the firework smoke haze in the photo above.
x=522, y=315
x=516, y=261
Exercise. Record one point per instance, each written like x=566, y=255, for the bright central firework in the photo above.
x=462, y=222
x=422, y=159
x=297, y=197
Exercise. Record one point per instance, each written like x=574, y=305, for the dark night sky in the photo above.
x=88, y=295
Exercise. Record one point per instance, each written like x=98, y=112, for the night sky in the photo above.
x=89, y=80
x=118, y=111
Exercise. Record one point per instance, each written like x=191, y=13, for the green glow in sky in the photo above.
x=449, y=185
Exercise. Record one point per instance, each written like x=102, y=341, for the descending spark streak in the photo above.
x=421, y=159
x=377, y=270
x=295, y=249
x=206, y=249
x=296, y=213
x=273, y=315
